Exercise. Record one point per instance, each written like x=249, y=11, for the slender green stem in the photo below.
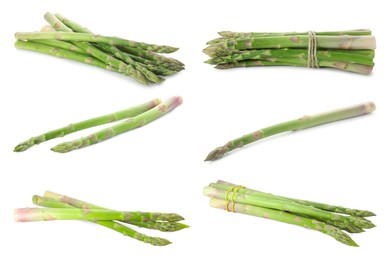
x=46, y=214
x=230, y=34
x=85, y=37
x=301, y=41
x=157, y=241
x=286, y=217
x=298, y=62
x=361, y=57
x=61, y=53
x=293, y=125
x=131, y=123
x=60, y=132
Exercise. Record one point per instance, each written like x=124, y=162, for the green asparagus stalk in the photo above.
x=362, y=57
x=286, y=217
x=75, y=27
x=284, y=205
x=296, y=62
x=293, y=125
x=63, y=131
x=85, y=37
x=157, y=241
x=61, y=53
x=131, y=123
x=300, y=41
x=229, y=34
x=162, y=226
x=93, y=51
x=332, y=208
x=46, y=214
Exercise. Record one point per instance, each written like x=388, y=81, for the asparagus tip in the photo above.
x=63, y=148
x=216, y=154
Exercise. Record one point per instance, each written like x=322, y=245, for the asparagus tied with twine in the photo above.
x=331, y=220
x=61, y=207
x=65, y=38
x=352, y=50
x=292, y=125
x=137, y=116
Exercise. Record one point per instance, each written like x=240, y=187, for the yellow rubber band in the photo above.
x=234, y=190
x=227, y=198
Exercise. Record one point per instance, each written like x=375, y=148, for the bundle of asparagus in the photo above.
x=138, y=116
x=328, y=219
x=292, y=125
x=65, y=38
x=60, y=207
x=346, y=50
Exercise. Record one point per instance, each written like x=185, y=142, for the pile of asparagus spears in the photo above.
x=346, y=50
x=137, y=116
x=60, y=207
x=65, y=38
x=328, y=219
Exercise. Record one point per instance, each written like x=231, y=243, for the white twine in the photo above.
x=312, y=61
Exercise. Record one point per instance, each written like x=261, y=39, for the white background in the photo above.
x=160, y=167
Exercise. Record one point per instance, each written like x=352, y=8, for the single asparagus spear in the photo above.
x=111, y=49
x=332, y=208
x=284, y=205
x=60, y=132
x=293, y=125
x=361, y=57
x=230, y=34
x=277, y=42
x=61, y=53
x=85, y=37
x=352, y=67
x=162, y=226
x=46, y=214
x=156, y=241
x=286, y=217
x=93, y=51
x=131, y=123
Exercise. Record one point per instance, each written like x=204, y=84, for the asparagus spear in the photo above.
x=62, y=53
x=293, y=125
x=362, y=57
x=230, y=34
x=60, y=132
x=46, y=214
x=162, y=226
x=85, y=37
x=131, y=123
x=284, y=205
x=93, y=51
x=286, y=217
x=332, y=208
x=157, y=241
x=296, y=62
x=277, y=42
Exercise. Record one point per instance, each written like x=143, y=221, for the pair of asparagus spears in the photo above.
x=346, y=50
x=66, y=39
x=328, y=219
x=138, y=116
x=60, y=207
